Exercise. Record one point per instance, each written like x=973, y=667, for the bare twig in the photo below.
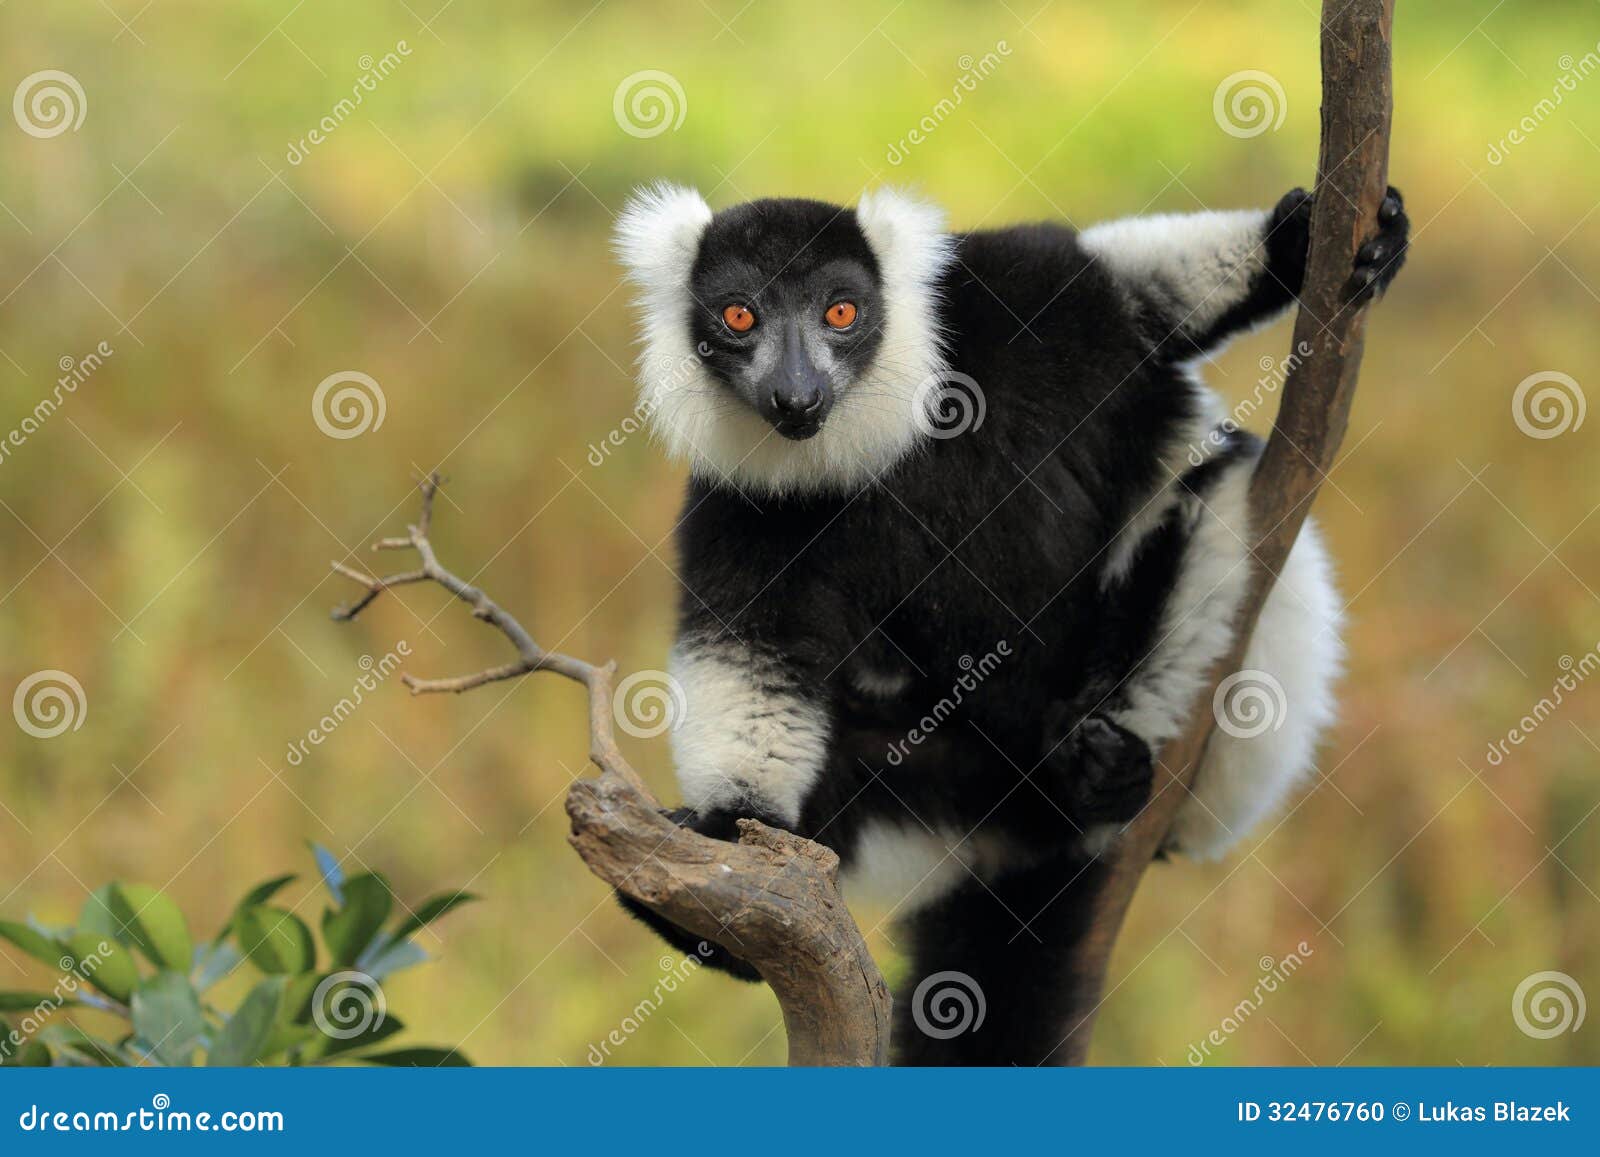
x=1352, y=177
x=771, y=899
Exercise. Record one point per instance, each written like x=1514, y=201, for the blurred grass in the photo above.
x=165, y=536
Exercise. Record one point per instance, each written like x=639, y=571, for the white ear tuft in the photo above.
x=907, y=236
x=658, y=235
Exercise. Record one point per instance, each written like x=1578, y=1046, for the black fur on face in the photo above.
x=789, y=262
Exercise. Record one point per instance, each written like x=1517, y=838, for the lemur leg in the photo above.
x=1098, y=772
x=1198, y=279
x=750, y=743
x=754, y=734
x=1273, y=710
x=1003, y=946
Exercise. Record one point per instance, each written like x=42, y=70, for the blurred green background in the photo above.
x=165, y=534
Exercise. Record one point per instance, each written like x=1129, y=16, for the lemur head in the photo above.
x=788, y=344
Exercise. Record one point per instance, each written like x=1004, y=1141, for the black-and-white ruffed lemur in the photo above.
x=950, y=658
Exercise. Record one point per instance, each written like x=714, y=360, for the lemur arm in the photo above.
x=750, y=741
x=1197, y=279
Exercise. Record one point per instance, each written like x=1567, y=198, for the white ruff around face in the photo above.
x=874, y=420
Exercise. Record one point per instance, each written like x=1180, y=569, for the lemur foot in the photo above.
x=1380, y=259
x=1109, y=771
x=720, y=825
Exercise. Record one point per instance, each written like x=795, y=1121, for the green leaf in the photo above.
x=75, y=1046
x=32, y=1055
x=247, y=1032
x=297, y=1000
x=431, y=910
x=36, y=944
x=285, y=1037
x=348, y=931
x=97, y=916
x=153, y=923
x=104, y=963
x=332, y=874
x=217, y=961
x=28, y=1001
x=327, y=1046
x=275, y=940
x=258, y=895
x=167, y=1017
x=139, y=916
x=418, y=1058
x=389, y=959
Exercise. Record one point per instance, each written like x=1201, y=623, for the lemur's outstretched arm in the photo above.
x=1198, y=279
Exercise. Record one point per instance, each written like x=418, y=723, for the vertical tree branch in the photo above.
x=1352, y=177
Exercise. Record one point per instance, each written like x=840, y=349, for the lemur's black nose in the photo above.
x=798, y=401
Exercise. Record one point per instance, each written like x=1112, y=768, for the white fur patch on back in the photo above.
x=743, y=740
x=873, y=423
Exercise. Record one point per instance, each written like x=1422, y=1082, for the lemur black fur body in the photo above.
x=953, y=570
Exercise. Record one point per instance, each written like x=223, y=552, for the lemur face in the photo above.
x=785, y=297
x=788, y=344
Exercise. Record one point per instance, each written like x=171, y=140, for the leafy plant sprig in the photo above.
x=131, y=955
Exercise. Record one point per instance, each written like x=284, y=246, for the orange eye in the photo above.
x=842, y=315
x=738, y=318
